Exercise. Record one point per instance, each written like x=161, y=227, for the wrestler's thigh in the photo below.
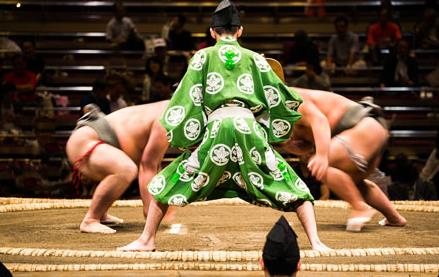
x=106, y=160
x=156, y=146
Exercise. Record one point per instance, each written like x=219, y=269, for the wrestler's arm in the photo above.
x=321, y=131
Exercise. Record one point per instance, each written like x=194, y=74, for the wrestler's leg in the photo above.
x=152, y=156
x=116, y=172
x=146, y=241
x=305, y=213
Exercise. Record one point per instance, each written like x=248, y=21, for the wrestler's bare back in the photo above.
x=133, y=125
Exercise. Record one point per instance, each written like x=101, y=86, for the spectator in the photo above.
x=400, y=69
x=403, y=174
x=301, y=51
x=208, y=40
x=8, y=47
x=35, y=62
x=427, y=30
x=153, y=71
x=118, y=87
x=383, y=34
x=344, y=47
x=23, y=80
x=161, y=89
x=281, y=252
x=98, y=96
x=122, y=32
x=314, y=78
x=179, y=38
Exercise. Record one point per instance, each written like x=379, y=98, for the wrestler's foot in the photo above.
x=358, y=219
x=95, y=227
x=319, y=246
x=137, y=245
x=401, y=222
x=110, y=219
x=169, y=216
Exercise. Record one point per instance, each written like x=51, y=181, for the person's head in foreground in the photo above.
x=225, y=21
x=281, y=253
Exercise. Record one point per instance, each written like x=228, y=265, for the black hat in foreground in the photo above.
x=225, y=15
x=281, y=252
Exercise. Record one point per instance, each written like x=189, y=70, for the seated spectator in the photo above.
x=118, y=87
x=301, y=51
x=122, y=32
x=178, y=37
x=8, y=47
x=400, y=69
x=281, y=252
x=343, y=47
x=314, y=78
x=35, y=62
x=161, y=89
x=153, y=71
x=23, y=80
x=383, y=34
x=427, y=30
x=98, y=96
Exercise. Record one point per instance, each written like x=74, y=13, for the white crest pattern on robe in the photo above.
x=301, y=185
x=260, y=132
x=272, y=95
x=262, y=202
x=175, y=115
x=280, y=127
x=192, y=129
x=245, y=83
x=256, y=180
x=292, y=105
x=169, y=135
x=207, y=110
x=236, y=155
x=220, y=154
x=200, y=181
x=285, y=197
x=157, y=185
x=198, y=60
x=184, y=175
x=215, y=83
x=177, y=200
x=257, y=108
x=224, y=178
x=196, y=94
x=241, y=125
x=215, y=127
x=261, y=63
x=237, y=177
x=256, y=156
x=223, y=50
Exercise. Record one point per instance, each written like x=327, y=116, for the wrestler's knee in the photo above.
x=127, y=172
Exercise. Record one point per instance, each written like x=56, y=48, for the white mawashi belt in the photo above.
x=227, y=112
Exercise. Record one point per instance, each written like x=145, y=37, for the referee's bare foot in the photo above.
x=94, y=226
x=111, y=219
x=138, y=245
x=397, y=222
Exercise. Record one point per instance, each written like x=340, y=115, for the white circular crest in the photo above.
x=261, y=63
x=236, y=155
x=175, y=115
x=178, y=200
x=277, y=175
x=292, y=105
x=260, y=132
x=224, y=178
x=237, y=177
x=223, y=50
x=256, y=108
x=192, y=129
x=301, y=185
x=263, y=202
x=169, y=135
x=220, y=154
x=256, y=180
x=214, y=82
x=184, y=176
x=198, y=60
x=255, y=155
x=285, y=197
x=200, y=181
x=207, y=110
x=241, y=125
x=215, y=127
x=157, y=185
x=272, y=95
x=280, y=127
x=245, y=83
x=196, y=94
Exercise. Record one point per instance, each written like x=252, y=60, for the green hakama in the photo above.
x=231, y=106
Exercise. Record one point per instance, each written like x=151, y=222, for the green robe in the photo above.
x=233, y=155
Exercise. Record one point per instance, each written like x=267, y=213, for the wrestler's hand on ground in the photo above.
x=318, y=165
